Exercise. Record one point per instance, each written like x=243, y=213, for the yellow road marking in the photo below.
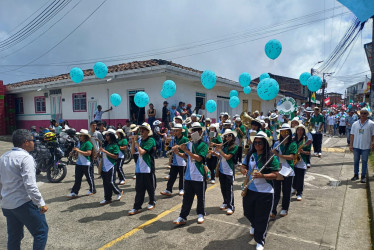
x=145, y=224
x=335, y=150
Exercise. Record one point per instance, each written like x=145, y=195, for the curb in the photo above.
x=7, y=138
x=370, y=195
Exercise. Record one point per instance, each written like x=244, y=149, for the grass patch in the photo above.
x=371, y=161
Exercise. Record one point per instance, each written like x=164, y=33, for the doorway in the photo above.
x=137, y=115
x=91, y=111
x=56, y=107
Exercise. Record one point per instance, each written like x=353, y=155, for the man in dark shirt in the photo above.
x=165, y=114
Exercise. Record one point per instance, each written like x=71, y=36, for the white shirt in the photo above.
x=330, y=120
x=17, y=179
x=362, y=134
x=342, y=121
x=98, y=115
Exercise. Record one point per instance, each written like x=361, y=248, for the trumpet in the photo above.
x=248, y=182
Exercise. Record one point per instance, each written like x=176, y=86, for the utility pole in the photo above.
x=310, y=93
x=323, y=90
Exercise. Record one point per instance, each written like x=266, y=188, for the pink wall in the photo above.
x=77, y=124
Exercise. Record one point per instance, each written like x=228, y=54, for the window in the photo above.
x=79, y=102
x=19, y=105
x=39, y=104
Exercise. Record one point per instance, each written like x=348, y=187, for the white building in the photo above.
x=59, y=97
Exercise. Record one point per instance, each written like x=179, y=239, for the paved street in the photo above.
x=332, y=215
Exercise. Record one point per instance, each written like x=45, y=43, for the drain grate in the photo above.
x=334, y=183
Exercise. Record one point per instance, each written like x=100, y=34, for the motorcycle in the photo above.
x=48, y=156
x=67, y=141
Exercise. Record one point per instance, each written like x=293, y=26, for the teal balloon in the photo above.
x=263, y=76
x=100, y=70
x=115, y=99
x=350, y=106
x=141, y=99
x=268, y=89
x=211, y=106
x=234, y=102
x=76, y=75
x=234, y=93
x=247, y=90
x=304, y=78
x=208, y=79
x=168, y=89
x=314, y=83
x=273, y=49
x=245, y=79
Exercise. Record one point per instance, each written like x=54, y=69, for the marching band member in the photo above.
x=83, y=165
x=240, y=131
x=110, y=156
x=178, y=161
x=317, y=121
x=122, y=143
x=307, y=118
x=206, y=132
x=258, y=202
x=303, y=148
x=134, y=130
x=274, y=126
x=286, y=155
x=227, y=169
x=145, y=168
x=195, y=176
x=211, y=158
x=226, y=125
x=264, y=127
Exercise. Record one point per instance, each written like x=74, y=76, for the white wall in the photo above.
x=186, y=92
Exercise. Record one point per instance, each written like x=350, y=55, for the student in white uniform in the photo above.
x=258, y=202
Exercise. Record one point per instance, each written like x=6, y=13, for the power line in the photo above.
x=30, y=42
x=237, y=36
x=77, y=27
x=33, y=26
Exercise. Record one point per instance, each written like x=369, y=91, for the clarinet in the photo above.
x=248, y=182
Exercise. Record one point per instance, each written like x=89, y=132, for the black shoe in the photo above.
x=354, y=178
x=363, y=180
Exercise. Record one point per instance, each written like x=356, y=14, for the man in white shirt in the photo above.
x=21, y=201
x=99, y=113
x=362, y=140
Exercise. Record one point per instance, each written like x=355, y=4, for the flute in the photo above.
x=168, y=153
x=248, y=182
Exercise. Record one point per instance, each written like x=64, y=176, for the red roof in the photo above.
x=111, y=69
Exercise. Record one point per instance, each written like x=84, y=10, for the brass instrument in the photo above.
x=297, y=156
x=309, y=126
x=246, y=119
x=247, y=145
x=167, y=142
x=248, y=182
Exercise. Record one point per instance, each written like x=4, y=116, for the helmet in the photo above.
x=50, y=136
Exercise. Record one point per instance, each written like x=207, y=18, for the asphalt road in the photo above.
x=332, y=215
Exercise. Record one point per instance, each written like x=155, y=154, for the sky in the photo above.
x=227, y=37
